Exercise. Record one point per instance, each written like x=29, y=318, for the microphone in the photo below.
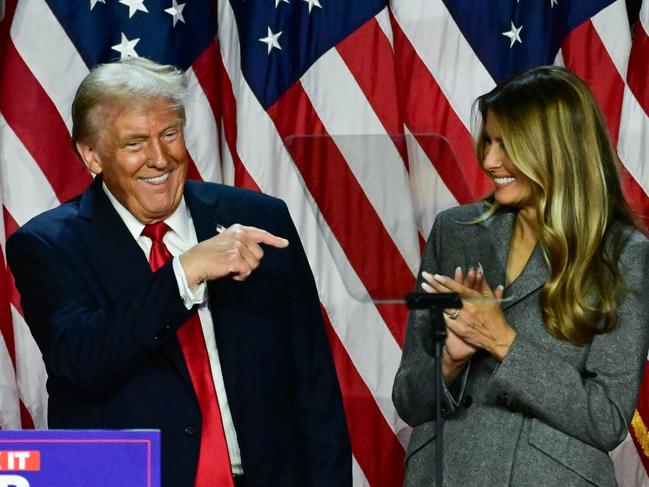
x=433, y=300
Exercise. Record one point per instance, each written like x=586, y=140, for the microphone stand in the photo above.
x=435, y=303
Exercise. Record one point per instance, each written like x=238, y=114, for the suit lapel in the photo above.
x=206, y=214
x=534, y=275
x=493, y=256
x=536, y=271
x=109, y=240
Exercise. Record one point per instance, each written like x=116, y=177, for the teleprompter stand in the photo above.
x=435, y=304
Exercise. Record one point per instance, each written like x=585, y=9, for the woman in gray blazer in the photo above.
x=541, y=384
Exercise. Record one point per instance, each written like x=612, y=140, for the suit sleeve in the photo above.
x=318, y=402
x=85, y=339
x=413, y=392
x=594, y=404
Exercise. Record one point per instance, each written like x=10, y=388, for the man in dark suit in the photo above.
x=155, y=306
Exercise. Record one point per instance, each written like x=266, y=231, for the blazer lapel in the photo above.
x=534, y=275
x=108, y=239
x=536, y=271
x=493, y=256
x=205, y=210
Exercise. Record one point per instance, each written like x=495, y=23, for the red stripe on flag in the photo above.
x=374, y=445
x=25, y=417
x=637, y=73
x=427, y=111
x=210, y=72
x=10, y=227
x=6, y=322
x=205, y=69
x=585, y=54
x=5, y=25
x=342, y=201
x=37, y=123
x=369, y=57
x=192, y=171
x=9, y=294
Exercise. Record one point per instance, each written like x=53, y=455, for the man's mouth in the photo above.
x=157, y=179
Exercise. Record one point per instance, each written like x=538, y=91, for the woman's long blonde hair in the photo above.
x=554, y=133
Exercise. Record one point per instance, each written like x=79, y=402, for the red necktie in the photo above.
x=214, y=467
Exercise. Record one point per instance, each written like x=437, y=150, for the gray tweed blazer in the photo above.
x=549, y=413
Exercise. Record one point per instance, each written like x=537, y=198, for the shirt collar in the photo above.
x=179, y=221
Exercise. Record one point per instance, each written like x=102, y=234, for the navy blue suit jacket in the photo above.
x=106, y=326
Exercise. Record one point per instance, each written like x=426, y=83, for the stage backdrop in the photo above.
x=261, y=71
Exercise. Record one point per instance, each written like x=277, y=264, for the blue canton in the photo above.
x=95, y=32
x=545, y=24
x=305, y=36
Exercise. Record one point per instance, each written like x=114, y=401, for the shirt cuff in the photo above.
x=189, y=296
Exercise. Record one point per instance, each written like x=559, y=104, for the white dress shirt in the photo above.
x=180, y=237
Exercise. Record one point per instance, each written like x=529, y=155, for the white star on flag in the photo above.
x=95, y=2
x=126, y=48
x=176, y=11
x=134, y=6
x=271, y=40
x=312, y=3
x=277, y=2
x=514, y=34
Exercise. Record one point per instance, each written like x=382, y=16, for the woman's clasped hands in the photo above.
x=479, y=324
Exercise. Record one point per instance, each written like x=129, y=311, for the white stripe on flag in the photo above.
x=49, y=54
x=629, y=470
x=460, y=75
x=25, y=190
x=383, y=19
x=372, y=158
x=633, y=143
x=30, y=371
x=430, y=194
x=200, y=132
x=617, y=40
x=9, y=408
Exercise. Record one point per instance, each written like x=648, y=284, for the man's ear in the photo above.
x=90, y=157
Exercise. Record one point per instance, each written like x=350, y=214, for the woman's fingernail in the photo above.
x=427, y=275
x=458, y=269
x=438, y=277
x=426, y=287
x=480, y=267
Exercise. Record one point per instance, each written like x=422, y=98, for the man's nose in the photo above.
x=156, y=156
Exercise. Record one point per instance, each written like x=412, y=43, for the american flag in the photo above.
x=294, y=98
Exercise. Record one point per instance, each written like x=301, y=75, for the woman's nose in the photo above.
x=492, y=158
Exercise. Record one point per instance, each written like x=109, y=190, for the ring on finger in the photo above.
x=454, y=314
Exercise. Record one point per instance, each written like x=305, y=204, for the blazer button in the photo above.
x=467, y=401
x=191, y=430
